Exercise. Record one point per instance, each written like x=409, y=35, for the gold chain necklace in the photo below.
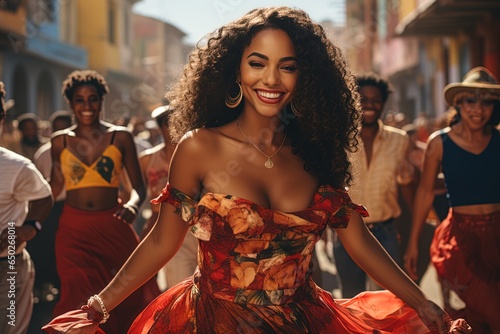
x=269, y=163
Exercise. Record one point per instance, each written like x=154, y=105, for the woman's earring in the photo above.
x=294, y=110
x=233, y=101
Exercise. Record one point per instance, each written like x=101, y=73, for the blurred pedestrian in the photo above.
x=42, y=248
x=95, y=235
x=382, y=170
x=42, y=159
x=137, y=127
x=155, y=163
x=466, y=248
x=403, y=222
x=25, y=201
x=30, y=140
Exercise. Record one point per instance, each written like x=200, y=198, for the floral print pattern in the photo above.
x=254, y=268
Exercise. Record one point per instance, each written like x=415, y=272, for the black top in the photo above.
x=472, y=178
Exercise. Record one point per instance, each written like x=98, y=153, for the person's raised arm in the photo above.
x=423, y=200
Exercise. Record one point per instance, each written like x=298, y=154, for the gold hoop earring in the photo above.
x=233, y=102
x=294, y=110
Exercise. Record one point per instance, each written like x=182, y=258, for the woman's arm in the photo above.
x=367, y=252
x=158, y=247
x=423, y=200
x=133, y=176
x=165, y=237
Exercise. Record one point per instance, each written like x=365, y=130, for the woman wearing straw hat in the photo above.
x=466, y=247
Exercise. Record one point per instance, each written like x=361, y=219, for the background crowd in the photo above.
x=101, y=172
x=30, y=136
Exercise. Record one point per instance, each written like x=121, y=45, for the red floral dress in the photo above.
x=254, y=274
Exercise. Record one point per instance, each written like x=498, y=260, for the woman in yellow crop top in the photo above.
x=95, y=237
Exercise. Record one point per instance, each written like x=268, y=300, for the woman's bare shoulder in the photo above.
x=435, y=143
x=121, y=135
x=117, y=128
x=58, y=135
x=436, y=135
x=199, y=139
x=198, y=147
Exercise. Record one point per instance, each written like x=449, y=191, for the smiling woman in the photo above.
x=94, y=237
x=256, y=227
x=465, y=249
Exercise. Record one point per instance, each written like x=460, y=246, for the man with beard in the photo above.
x=380, y=167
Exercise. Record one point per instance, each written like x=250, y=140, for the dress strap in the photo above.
x=184, y=205
x=64, y=140
x=112, y=137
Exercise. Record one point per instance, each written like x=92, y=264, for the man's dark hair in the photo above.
x=373, y=79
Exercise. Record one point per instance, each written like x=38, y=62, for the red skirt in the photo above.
x=466, y=253
x=187, y=308
x=91, y=246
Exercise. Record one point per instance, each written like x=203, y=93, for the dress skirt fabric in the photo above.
x=254, y=274
x=466, y=253
x=90, y=249
x=186, y=309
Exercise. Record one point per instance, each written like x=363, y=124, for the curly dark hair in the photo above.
x=373, y=79
x=2, y=104
x=325, y=97
x=83, y=77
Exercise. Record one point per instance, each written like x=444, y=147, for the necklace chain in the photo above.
x=269, y=163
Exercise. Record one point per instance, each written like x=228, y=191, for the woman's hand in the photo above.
x=83, y=321
x=460, y=326
x=436, y=319
x=127, y=213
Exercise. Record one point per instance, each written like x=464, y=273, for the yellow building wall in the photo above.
x=93, y=31
x=434, y=52
x=406, y=7
x=454, y=52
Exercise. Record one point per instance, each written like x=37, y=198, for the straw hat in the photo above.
x=479, y=81
x=160, y=111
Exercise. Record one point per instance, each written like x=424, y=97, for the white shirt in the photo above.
x=20, y=183
x=376, y=186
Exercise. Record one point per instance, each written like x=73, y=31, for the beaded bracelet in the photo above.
x=105, y=314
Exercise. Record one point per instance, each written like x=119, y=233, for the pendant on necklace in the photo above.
x=269, y=163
